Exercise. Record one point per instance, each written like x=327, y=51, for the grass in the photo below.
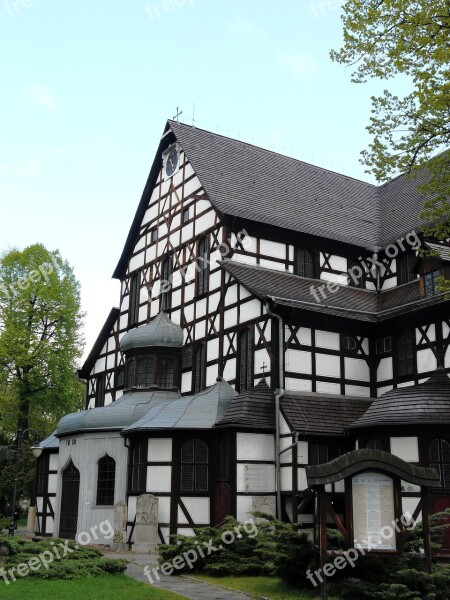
x=267, y=587
x=112, y=587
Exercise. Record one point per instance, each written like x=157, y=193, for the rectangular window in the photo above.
x=135, y=292
x=100, y=391
x=246, y=360
x=303, y=262
x=430, y=281
x=185, y=215
x=405, y=353
x=318, y=454
x=166, y=284
x=203, y=271
x=153, y=235
x=383, y=345
x=405, y=268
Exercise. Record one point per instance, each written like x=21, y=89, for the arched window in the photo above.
x=405, y=353
x=135, y=292
x=203, y=271
x=303, y=262
x=246, y=360
x=105, y=481
x=138, y=471
x=166, y=284
x=166, y=372
x=194, y=466
x=374, y=445
x=439, y=455
x=200, y=368
x=145, y=372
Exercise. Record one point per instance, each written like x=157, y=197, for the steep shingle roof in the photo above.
x=426, y=403
x=287, y=289
x=322, y=414
x=254, y=408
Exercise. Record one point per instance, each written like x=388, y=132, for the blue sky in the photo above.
x=86, y=88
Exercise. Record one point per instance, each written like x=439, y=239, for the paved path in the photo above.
x=180, y=584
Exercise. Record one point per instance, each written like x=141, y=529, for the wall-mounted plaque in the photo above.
x=373, y=511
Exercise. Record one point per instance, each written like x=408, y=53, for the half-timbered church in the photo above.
x=272, y=315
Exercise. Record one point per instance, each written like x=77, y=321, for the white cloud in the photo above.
x=301, y=64
x=41, y=95
x=241, y=26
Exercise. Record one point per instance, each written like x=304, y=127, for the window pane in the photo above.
x=200, y=369
x=166, y=367
x=134, y=299
x=246, y=366
x=145, y=372
x=303, y=263
x=187, y=478
x=434, y=451
x=166, y=284
x=106, y=480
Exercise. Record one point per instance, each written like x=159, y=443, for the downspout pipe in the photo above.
x=279, y=393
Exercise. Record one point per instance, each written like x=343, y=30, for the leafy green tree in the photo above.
x=40, y=340
x=409, y=38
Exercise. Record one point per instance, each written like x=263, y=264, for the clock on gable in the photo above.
x=171, y=160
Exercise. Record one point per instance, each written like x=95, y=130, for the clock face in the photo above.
x=171, y=162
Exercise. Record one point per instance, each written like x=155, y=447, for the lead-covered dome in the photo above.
x=160, y=332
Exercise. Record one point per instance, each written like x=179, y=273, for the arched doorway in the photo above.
x=69, y=502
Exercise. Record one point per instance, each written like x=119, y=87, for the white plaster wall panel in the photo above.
x=356, y=368
x=231, y=295
x=131, y=508
x=328, y=388
x=255, y=446
x=198, y=508
x=409, y=505
x=50, y=525
x=140, y=245
x=244, y=507
x=370, y=286
x=274, y=249
x=175, y=237
x=203, y=205
x=262, y=359
x=91, y=403
x=286, y=457
x=213, y=302
x=189, y=313
x=200, y=329
x=186, y=382
x=231, y=318
x=214, y=257
x=302, y=453
x=177, y=180
x=123, y=321
x=284, y=427
x=186, y=531
x=215, y=280
x=339, y=486
x=211, y=375
x=159, y=450
x=53, y=464
x=176, y=298
x=159, y=479
x=52, y=484
x=357, y=390
x=143, y=313
x=426, y=360
x=165, y=532
x=385, y=370
x=39, y=501
x=189, y=291
x=108, y=399
x=250, y=310
x=338, y=263
x=249, y=244
x=165, y=185
x=383, y=390
x=272, y=264
x=204, y=222
x=406, y=448
x=327, y=339
x=298, y=361
x=143, y=294
x=286, y=479
x=406, y=383
x=150, y=253
x=334, y=278
x=213, y=349
x=163, y=230
x=181, y=517
x=229, y=370
x=152, y=212
x=191, y=187
x=187, y=232
x=99, y=365
x=328, y=366
x=304, y=336
x=365, y=345
x=245, y=259
x=110, y=361
x=255, y=477
x=302, y=483
x=431, y=334
x=302, y=385
x=125, y=302
x=389, y=283
x=445, y=330
x=176, y=222
x=201, y=308
x=154, y=307
x=119, y=394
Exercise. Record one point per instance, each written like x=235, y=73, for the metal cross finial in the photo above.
x=263, y=369
x=179, y=112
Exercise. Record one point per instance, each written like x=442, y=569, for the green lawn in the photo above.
x=267, y=587
x=112, y=587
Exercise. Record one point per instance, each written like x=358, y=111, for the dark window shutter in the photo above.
x=405, y=353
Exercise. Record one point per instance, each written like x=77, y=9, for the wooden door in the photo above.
x=222, y=502
x=69, y=502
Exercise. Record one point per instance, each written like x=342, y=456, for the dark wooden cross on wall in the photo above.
x=263, y=369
